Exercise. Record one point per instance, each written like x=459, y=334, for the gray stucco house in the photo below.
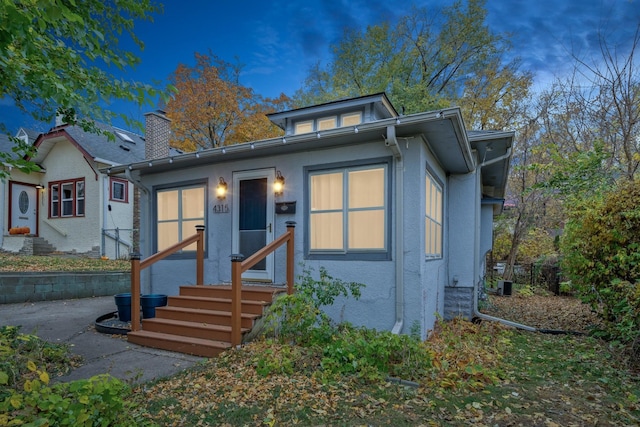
x=403, y=204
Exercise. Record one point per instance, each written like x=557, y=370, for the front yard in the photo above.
x=484, y=375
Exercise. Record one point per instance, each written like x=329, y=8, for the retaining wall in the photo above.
x=27, y=287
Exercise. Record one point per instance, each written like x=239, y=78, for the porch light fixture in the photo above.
x=40, y=186
x=284, y=140
x=355, y=129
x=278, y=184
x=221, y=189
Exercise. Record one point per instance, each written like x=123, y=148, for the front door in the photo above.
x=253, y=219
x=24, y=206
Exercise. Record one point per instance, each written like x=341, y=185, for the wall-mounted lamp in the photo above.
x=278, y=184
x=40, y=186
x=221, y=189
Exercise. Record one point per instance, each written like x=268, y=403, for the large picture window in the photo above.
x=433, y=218
x=179, y=210
x=66, y=198
x=349, y=210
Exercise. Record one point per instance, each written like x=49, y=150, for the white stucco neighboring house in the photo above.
x=403, y=204
x=70, y=205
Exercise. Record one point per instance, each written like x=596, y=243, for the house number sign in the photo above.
x=221, y=208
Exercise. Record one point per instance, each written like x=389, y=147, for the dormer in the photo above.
x=348, y=112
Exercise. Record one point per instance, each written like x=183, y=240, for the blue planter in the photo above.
x=149, y=304
x=123, y=302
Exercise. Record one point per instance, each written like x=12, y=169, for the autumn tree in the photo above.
x=211, y=108
x=430, y=59
x=62, y=57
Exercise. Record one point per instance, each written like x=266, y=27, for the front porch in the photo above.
x=206, y=320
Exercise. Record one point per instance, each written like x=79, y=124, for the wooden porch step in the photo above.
x=220, y=304
x=213, y=317
x=188, y=345
x=190, y=329
x=254, y=293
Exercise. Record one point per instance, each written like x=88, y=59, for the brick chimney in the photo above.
x=157, y=133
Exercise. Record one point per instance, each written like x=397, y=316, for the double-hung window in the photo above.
x=179, y=210
x=66, y=198
x=349, y=211
x=433, y=218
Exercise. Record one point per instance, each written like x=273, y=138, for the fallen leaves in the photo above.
x=21, y=263
x=545, y=312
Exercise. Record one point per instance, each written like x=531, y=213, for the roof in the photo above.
x=126, y=147
x=457, y=150
x=5, y=143
x=380, y=105
x=442, y=130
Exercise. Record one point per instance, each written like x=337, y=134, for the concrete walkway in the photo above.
x=72, y=322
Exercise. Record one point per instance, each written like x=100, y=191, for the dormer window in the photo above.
x=343, y=113
x=351, y=119
x=326, y=123
x=304, y=127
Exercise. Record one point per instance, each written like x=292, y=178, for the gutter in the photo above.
x=392, y=142
x=497, y=159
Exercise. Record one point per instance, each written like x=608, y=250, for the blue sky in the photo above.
x=277, y=41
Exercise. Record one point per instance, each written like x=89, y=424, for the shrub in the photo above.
x=298, y=317
x=26, y=398
x=601, y=257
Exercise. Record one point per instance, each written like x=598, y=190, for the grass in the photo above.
x=534, y=379
x=52, y=263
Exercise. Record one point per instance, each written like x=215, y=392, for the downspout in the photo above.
x=392, y=143
x=476, y=311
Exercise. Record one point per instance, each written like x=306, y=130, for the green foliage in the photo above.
x=296, y=317
x=601, y=257
x=98, y=401
x=373, y=355
x=27, y=398
x=526, y=291
x=61, y=57
x=343, y=349
x=577, y=176
x=432, y=58
x=19, y=351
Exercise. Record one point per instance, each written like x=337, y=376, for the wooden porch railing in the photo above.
x=239, y=265
x=137, y=266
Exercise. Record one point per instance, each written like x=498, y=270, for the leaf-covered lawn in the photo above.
x=19, y=263
x=487, y=376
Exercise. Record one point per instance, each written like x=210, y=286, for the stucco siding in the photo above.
x=376, y=307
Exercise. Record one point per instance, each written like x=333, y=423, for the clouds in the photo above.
x=546, y=33
x=279, y=40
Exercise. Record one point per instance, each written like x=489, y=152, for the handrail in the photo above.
x=137, y=266
x=240, y=265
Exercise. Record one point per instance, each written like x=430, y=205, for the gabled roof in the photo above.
x=125, y=147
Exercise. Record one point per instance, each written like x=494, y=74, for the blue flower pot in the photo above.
x=149, y=304
x=123, y=302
